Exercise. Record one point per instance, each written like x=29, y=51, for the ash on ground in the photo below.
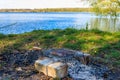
x=79, y=71
x=20, y=66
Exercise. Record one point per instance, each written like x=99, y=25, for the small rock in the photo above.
x=19, y=69
x=82, y=57
x=37, y=48
x=1, y=58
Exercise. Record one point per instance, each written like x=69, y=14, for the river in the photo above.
x=16, y=23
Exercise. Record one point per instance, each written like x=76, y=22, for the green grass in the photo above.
x=106, y=45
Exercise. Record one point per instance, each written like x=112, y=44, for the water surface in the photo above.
x=15, y=23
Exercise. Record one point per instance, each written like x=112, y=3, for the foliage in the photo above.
x=2, y=36
x=106, y=7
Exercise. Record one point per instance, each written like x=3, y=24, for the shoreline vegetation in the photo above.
x=49, y=10
x=104, y=45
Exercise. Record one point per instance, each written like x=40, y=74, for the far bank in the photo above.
x=49, y=10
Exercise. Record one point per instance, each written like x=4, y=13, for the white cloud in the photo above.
x=41, y=3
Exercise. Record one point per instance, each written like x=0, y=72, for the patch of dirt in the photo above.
x=20, y=66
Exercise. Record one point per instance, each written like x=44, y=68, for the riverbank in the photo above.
x=104, y=45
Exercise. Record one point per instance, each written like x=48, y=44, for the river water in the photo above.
x=16, y=23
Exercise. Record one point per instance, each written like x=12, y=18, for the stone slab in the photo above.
x=41, y=65
x=57, y=69
x=51, y=68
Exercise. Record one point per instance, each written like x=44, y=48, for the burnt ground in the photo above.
x=20, y=66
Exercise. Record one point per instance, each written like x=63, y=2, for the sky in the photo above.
x=31, y=4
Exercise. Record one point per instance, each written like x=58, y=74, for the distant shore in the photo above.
x=49, y=10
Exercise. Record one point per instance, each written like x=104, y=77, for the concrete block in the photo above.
x=41, y=65
x=51, y=68
x=57, y=69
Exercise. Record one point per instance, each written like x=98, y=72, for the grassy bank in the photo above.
x=103, y=44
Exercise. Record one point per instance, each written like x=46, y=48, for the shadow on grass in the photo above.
x=103, y=44
x=109, y=54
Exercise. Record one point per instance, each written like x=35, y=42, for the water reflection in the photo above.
x=105, y=24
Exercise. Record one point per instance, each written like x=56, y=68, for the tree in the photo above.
x=106, y=7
